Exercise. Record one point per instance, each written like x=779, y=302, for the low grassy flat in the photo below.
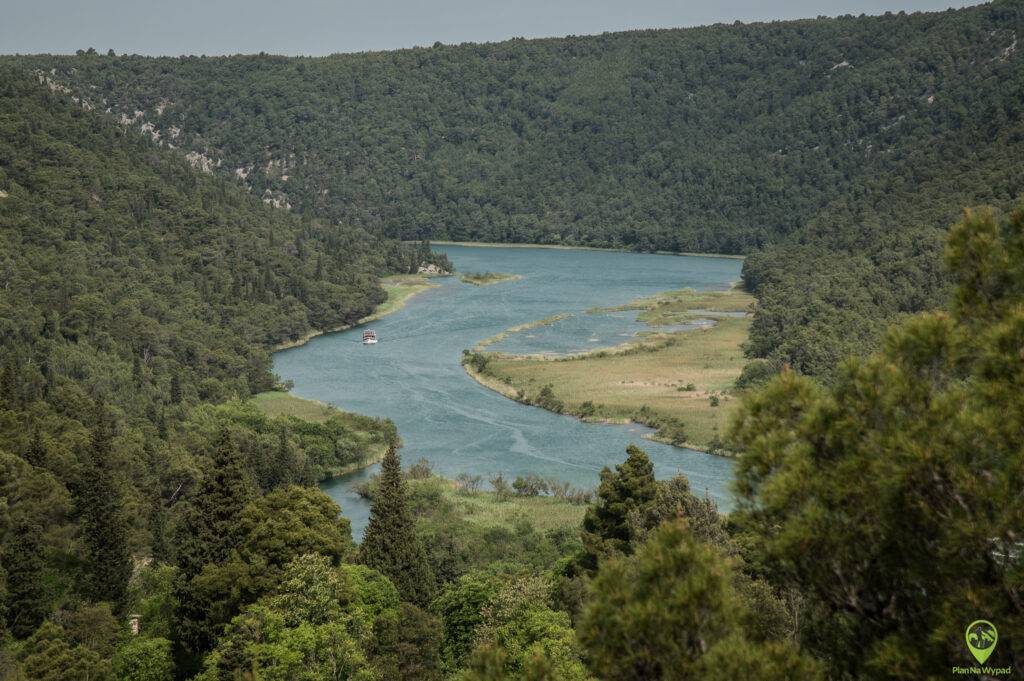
x=487, y=278
x=684, y=375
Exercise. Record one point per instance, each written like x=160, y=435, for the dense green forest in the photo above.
x=923, y=439
x=855, y=138
x=878, y=512
x=719, y=138
x=138, y=300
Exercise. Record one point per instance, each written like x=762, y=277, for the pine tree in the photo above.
x=158, y=530
x=161, y=424
x=175, y=388
x=105, y=528
x=671, y=612
x=281, y=466
x=36, y=454
x=26, y=603
x=390, y=544
x=891, y=499
x=209, y=529
x=208, y=532
x=631, y=488
x=406, y=645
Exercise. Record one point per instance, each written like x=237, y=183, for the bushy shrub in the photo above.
x=531, y=485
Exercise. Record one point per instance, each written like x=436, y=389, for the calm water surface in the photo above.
x=414, y=376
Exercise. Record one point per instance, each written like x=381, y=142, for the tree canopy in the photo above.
x=891, y=500
x=836, y=151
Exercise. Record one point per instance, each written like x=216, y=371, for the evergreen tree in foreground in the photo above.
x=26, y=604
x=105, y=528
x=390, y=544
x=630, y=489
x=209, y=528
x=671, y=612
x=892, y=500
x=207, y=533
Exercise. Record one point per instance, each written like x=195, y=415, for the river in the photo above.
x=414, y=375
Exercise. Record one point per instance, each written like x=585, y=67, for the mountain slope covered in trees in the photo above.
x=138, y=300
x=117, y=249
x=719, y=138
x=858, y=137
x=137, y=295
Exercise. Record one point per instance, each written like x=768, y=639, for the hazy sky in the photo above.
x=318, y=27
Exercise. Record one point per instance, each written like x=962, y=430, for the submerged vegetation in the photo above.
x=487, y=278
x=498, y=337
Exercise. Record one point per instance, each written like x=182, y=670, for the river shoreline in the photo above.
x=488, y=244
x=352, y=468
x=394, y=303
x=276, y=404
x=414, y=376
x=677, y=382
x=508, y=391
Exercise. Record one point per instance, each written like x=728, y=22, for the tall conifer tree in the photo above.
x=207, y=534
x=25, y=605
x=36, y=454
x=209, y=529
x=630, y=488
x=390, y=544
x=105, y=528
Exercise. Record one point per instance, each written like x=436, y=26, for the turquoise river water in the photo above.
x=414, y=375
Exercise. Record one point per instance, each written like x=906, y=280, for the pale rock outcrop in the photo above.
x=201, y=161
x=430, y=268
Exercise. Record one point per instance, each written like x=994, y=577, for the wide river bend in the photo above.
x=414, y=375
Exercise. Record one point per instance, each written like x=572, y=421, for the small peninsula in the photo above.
x=678, y=382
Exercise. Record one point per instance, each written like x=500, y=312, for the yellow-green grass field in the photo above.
x=654, y=371
x=486, y=509
x=400, y=288
x=487, y=278
x=275, y=403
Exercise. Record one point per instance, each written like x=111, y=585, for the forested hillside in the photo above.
x=876, y=517
x=719, y=138
x=858, y=137
x=138, y=299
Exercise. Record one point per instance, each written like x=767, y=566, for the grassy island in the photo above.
x=487, y=278
x=679, y=382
